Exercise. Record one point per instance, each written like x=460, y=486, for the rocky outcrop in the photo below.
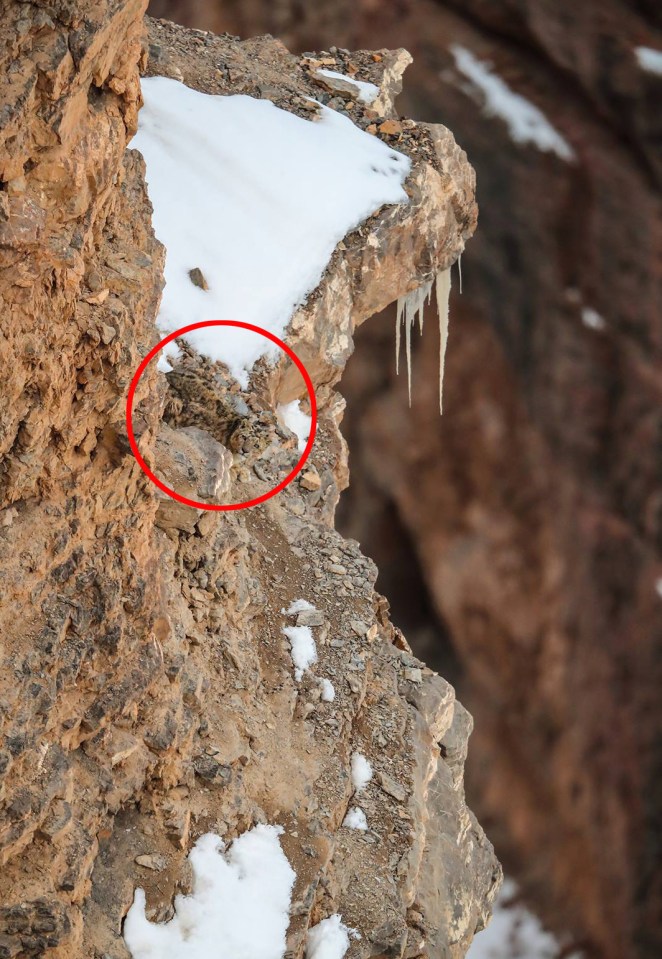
x=147, y=691
x=539, y=492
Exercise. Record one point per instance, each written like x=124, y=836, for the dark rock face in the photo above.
x=534, y=508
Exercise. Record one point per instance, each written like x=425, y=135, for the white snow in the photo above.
x=328, y=691
x=658, y=587
x=329, y=939
x=298, y=606
x=355, y=819
x=592, y=319
x=163, y=363
x=303, y=649
x=368, y=92
x=649, y=60
x=514, y=933
x=238, y=909
x=361, y=772
x=296, y=421
x=257, y=199
x=525, y=122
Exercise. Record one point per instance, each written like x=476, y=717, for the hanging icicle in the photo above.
x=413, y=305
x=409, y=307
x=443, y=292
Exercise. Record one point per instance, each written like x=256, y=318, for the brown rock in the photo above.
x=310, y=480
x=152, y=733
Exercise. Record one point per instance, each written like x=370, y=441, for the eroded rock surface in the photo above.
x=147, y=692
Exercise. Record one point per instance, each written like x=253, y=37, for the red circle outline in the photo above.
x=223, y=506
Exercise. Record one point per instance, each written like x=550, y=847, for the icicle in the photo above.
x=443, y=290
x=459, y=270
x=408, y=324
x=409, y=307
x=401, y=306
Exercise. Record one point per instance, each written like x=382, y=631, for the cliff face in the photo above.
x=533, y=508
x=147, y=691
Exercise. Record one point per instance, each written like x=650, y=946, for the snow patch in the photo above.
x=514, y=933
x=525, y=122
x=256, y=199
x=329, y=939
x=649, y=60
x=328, y=691
x=592, y=319
x=239, y=906
x=298, y=606
x=368, y=92
x=355, y=819
x=296, y=421
x=303, y=649
x=361, y=772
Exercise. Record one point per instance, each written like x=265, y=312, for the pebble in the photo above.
x=157, y=863
x=393, y=788
x=310, y=617
x=310, y=481
x=337, y=569
x=414, y=675
x=108, y=333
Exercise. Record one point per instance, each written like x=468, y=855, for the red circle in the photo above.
x=244, y=326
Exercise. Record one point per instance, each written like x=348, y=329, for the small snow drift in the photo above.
x=515, y=933
x=329, y=939
x=367, y=92
x=254, y=200
x=592, y=319
x=298, y=606
x=356, y=819
x=303, y=649
x=239, y=907
x=361, y=772
x=296, y=421
x=649, y=60
x=328, y=691
x=525, y=122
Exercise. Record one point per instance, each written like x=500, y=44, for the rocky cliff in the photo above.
x=147, y=692
x=532, y=510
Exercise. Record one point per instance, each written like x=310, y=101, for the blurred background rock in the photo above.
x=520, y=537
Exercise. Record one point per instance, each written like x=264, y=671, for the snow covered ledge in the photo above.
x=393, y=252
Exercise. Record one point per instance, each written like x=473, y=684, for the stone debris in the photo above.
x=153, y=862
x=310, y=480
x=390, y=786
x=198, y=278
